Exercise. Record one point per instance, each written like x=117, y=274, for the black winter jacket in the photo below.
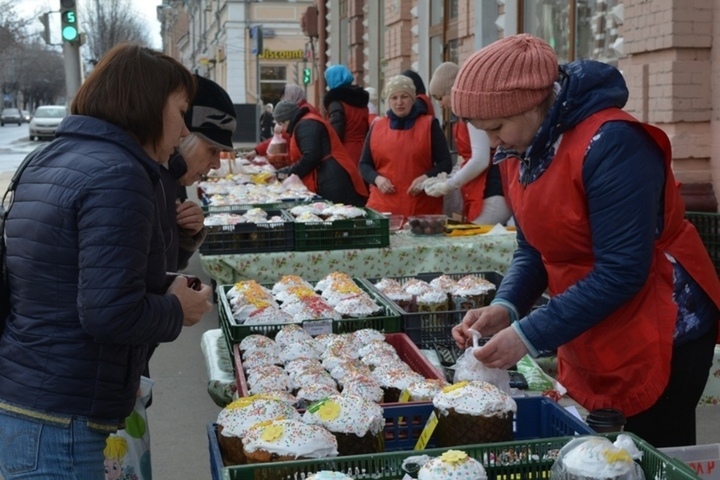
x=86, y=266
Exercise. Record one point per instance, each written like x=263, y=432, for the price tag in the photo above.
x=427, y=432
x=318, y=327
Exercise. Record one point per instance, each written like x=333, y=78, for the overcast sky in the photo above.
x=146, y=9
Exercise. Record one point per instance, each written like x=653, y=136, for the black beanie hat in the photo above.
x=211, y=114
x=419, y=85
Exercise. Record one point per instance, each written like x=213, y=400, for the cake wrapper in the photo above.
x=469, y=302
x=231, y=449
x=456, y=429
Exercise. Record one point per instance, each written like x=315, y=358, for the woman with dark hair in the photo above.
x=86, y=268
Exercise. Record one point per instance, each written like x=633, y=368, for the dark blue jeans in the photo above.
x=30, y=449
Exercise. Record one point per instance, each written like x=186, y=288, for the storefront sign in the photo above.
x=268, y=54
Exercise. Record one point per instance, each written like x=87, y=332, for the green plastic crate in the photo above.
x=516, y=460
x=250, y=237
x=708, y=226
x=371, y=231
x=388, y=321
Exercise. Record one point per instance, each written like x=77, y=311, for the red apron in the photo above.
x=356, y=128
x=337, y=151
x=401, y=156
x=473, y=191
x=623, y=362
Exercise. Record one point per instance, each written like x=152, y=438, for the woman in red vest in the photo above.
x=478, y=179
x=318, y=157
x=601, y=225
x=402, y=150
x=347, y=109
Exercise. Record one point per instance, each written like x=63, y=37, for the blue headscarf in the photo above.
x=338, y=76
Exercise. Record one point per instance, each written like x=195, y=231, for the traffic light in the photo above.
x=68, y=21
x=307, y=75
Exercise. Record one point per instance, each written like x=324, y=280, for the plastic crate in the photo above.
x=703, y=459
x=405, y=348
x=388, y=321
x=250, y=237
x=428, y=329
x=708, y=226
x=537, y=417
x=371, y=231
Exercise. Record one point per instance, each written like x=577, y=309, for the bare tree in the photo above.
x=109, y=22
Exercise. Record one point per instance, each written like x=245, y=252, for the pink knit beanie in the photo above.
x=505, y=78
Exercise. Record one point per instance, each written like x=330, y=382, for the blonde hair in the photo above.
x=115, y=447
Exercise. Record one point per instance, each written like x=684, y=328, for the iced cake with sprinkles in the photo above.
x=356, y=422
x=284, y=440
x=473, y=412
x=452, y=465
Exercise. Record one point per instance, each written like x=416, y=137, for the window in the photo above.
x=576, y=29
x=272, y=83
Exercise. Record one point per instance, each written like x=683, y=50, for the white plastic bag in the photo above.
x=469, y=368
x=127, y=452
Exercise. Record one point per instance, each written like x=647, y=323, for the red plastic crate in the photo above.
x=405, y=348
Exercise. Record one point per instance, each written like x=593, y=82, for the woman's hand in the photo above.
x=417, y=185
x=486, y=320
x=384, y=184
x=503, y=351
x=189, y=217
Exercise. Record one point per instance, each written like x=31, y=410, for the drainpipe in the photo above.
x=322, y=55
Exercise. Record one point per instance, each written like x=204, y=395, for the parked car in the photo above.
x=26, y=116
x=10, y=115
x=45, y=121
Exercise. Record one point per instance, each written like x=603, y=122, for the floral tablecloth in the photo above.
x=406, y=255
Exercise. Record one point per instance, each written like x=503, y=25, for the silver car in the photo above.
x=10, y=115
x=45, y=121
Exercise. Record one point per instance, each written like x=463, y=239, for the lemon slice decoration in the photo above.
x=617, y=456
x=455, y=386
x=272, y=433
x=329, y=411
x=244, y=402
x=453, y=456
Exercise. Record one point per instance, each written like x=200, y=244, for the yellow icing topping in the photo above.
x=454, y=456
x=272, y=433
x=455, y=386
x=262, y=177
x=329, y=411
x=617, y=456
x=301, y=292
x=243, y=402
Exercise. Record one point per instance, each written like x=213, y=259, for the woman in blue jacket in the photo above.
x=86, y=267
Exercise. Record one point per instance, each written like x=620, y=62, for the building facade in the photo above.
x=663, y=47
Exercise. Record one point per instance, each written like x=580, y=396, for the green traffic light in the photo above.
x=69, y=33
x=307, y=76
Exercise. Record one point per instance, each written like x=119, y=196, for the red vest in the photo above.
x=337, y=151
x=623, y=362
x=401, y=156
x=473, y=191
x=428, y=103
x=356, y=128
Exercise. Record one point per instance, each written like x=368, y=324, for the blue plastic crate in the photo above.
x=536, y=417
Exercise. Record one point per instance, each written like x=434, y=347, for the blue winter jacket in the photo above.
x=86, y=265
x=623, y=175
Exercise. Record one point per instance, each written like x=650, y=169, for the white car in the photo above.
x=45, y=121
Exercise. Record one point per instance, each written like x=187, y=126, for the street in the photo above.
x=14, y=145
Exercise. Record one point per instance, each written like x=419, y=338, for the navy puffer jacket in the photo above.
x=86, y=263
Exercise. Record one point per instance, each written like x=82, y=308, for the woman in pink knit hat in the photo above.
x=634, y=309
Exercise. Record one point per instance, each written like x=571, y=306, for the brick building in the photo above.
x=663, y=47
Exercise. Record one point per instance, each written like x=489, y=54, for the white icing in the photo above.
x=475, y=398
x=236, y=420
x=297, y=440
x=467, y=469
x=597, y=457
x=357, y=415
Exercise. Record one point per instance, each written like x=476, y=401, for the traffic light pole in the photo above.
x=73, y=78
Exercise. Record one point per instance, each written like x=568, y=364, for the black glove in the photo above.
x=283, y=173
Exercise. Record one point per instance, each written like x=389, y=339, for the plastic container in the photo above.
x=396, y=221
x=708, y=226
x=371, y=231
x=537, y=417
x=427, y=224
x=250, y=237
x=606, y=420
x=388, y=321
x=703, y=459
x=406, y=350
